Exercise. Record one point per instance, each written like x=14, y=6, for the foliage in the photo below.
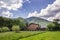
x=16, y=28
x=0, y=30
x=1, y=22
x=5, y=29
x=50, y=26
x=9, y=22
x=54, y=26
x=22, y=24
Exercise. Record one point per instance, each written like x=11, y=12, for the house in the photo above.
x=33, y=27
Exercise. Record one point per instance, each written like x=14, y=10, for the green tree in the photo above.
x=55, y=25
x=5, y=29
x=16, y=28
x=50, y=26
x=1, y=22
x=22, y=24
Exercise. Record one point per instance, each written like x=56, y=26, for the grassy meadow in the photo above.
x=30, y=35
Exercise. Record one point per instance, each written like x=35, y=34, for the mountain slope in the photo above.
x=37, y=20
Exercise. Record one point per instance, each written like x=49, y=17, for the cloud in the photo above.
x=51, y=12
x=51, y=9
x=7, y=5
x=7, y=14
x=33, y=14
x=11, y=4
x=57, y=16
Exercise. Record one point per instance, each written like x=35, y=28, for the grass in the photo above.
x=30, y=35
x=16, y=36
x=45, y=36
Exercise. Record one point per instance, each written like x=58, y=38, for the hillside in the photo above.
x=37, y=20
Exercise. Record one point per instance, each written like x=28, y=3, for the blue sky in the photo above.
x=34, y=5
x=48, y=9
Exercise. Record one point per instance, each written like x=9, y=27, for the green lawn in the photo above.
x=45, y=36
x=16, y=36
x=30, y=35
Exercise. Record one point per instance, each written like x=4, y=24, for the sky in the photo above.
x=47, y=9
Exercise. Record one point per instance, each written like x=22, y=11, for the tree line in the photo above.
x=54, y=26
x=11, y=23
x=17, y=24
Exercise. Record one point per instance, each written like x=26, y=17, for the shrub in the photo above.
x=15, y=28
x=5, y=29
x=51, y=26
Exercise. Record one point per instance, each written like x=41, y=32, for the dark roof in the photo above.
x=33, y=23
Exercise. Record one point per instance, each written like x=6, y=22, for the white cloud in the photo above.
x=7, y=14
x=11, y=4
x=33, y=14
x=50, y=18
x=51, y=9
x=57, y=16
x=51, y=12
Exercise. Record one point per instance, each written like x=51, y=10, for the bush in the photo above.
x=15, y=28
x=51, y=27
x=5, y=29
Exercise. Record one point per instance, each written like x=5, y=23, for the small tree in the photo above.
x=54, y=26
x=15, y=28
x=51, y=26
x=5, y=29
